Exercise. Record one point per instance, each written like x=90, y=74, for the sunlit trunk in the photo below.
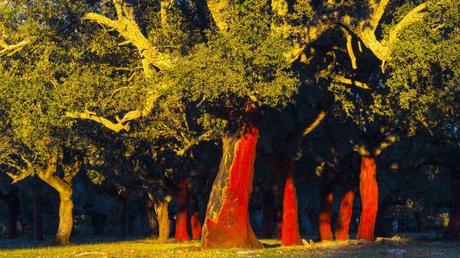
x=342, y=226
x=369, y=198
x=290, y=234
x=65, y=217
x=181, y=216
x=227, y=219
x=161, y=209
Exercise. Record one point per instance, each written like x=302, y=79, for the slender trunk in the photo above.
x=37, y=218
x=325, y=213
x=342, y=226
x=161, y=209
x=290, y=234
x=152, y=219
x=65, y=217
x=227, y=218
x=13, y=213
x=195, y=219
x=181, y=216
x=454, y=222
x=122, y=219
x=268, y=211
x=195, y=224
x=369, y=198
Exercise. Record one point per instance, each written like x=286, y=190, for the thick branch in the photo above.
x=127, y=27
x=315, y=123
x=204, y=137
x=9, y=50
x=88, y=115
x=341, y=79
x=350, y=51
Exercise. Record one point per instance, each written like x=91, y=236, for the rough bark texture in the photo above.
x=195, y=219
x=342, y=227
x=195, y=224
x=161, y=208
x=454, y=222
x=181, y=216
x=325, y=214
x=369, y=198
x=151, y=217
x=227, y=219
x=65, y=218
x=290, y=234
x=37, y=218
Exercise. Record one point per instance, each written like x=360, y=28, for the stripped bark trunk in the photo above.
x=342, y=227
x=369, y=192
x=181, y=216
x=227, y=219
x=290, y=234
x=325, y=214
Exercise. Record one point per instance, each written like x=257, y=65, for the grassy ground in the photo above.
x=151, y=248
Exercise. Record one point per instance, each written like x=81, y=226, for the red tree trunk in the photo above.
x=227, y=218
x=454, y=222
x=290, y=234
x=325, y=213
x=181, y=216
x=369, y=192
x=344, y=218
x=195, y=224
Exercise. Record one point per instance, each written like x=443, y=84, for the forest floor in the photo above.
x=86, y=247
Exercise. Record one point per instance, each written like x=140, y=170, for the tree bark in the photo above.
x=290, y=234
x=152, y=219
x=37, y=218
x=195, y=219
x=161, y=209
x=325, y=213
x=369, y=192
x=454, y=222
x=181, y=216
x=227, y=219
x=342, y=227
x=65, y=217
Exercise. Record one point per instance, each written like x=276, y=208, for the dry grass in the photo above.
x=152, y=248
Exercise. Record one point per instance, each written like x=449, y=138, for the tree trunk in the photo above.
x=37, y=218
x=342, y=226
x=325, y=213
x=161, y=209
x=195, y=218
x=122, y=219
x=227, y=218
x=369, y=198
x=290, y=234
x=152, y=219
x=454, y=222
x=14, y=209
x=181, y=216
x=65, y=217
